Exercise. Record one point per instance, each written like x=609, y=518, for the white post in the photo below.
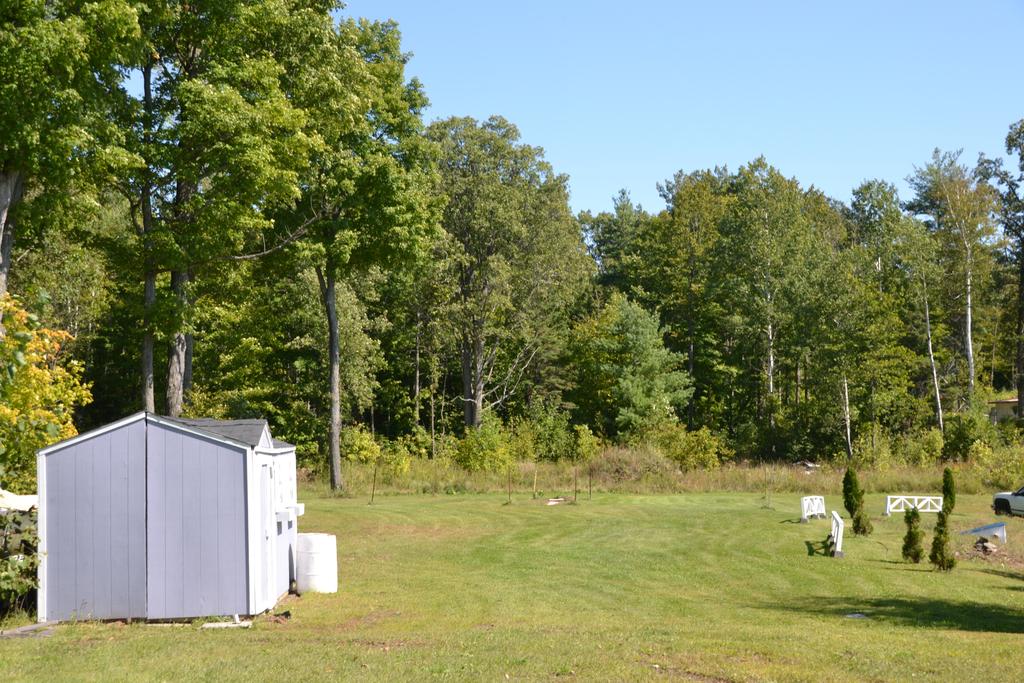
x=41, y=534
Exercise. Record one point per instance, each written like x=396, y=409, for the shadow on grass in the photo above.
x=918, y=612
x=816, y=548
x=1004, y=573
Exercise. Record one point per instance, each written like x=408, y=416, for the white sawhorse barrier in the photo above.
x=812, y=506
x=834, y=543
x=904, y=503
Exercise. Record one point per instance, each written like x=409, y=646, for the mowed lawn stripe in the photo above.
x=620, y=587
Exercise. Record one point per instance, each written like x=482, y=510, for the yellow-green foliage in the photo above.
x=38, y=394
x=691, y=450
x=485, y=448
x=587, y=446
x=872, y=449
x=924, y=448
x=358, y=445
x=1001, y=468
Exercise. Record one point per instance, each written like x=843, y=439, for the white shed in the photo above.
x=155, y=517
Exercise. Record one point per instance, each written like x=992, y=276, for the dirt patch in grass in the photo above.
x=683, y=674
x=368, y=619
x=382, y=645
x=433, y=533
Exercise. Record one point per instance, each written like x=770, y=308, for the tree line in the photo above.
x=238, y=209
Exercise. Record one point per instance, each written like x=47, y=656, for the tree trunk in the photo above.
x=472, y=380
x=690, y=354
x=327, y=293
x=11, y=190
x=149, y=264
x=148, y=302
x=935, y=371
x=691, y=351
x=416, y=381
x=846, y=418
x=575, y=486
x=433, y=391
x=373, y=486
x=1018, y=365
x=177, y=356
x=186, y=382
x=968, y=338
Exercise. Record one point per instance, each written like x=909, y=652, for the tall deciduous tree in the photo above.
x=59, y=80
x=366, y=196
x=673, y=263
x=220, y=145
x=520, y=256
x=959, y=207
x=762, y=254
x=1011, y=215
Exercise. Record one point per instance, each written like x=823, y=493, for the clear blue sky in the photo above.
x=621, y=95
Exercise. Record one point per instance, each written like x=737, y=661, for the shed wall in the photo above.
x=196, y=504
x=96, y=527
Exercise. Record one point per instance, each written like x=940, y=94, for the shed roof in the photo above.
x=248, y=432
x=235, y=432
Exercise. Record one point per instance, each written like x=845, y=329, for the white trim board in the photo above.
x=92, y=433
x=149, y=417
x=251, y=527
x=41, y=534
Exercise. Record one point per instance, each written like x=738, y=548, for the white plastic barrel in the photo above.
x=316, y=558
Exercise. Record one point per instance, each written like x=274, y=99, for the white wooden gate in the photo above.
x=835, y=539
x=904, y=503
x=812, y=506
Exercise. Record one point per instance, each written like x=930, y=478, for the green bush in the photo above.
x=358, y=445
x=485, y=448
x=552, y=433
x=965, y=429
x=18, y=560
x=586, y=446
x=873, y=449
x=618, y=465
x=948, y=491
x=1002, y=468
x=942, y=555
x=920, y=449
x=853, y=501
x=690, y=450
x=851, y=492
x=912, y=549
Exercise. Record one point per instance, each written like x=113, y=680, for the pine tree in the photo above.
x=851, y=491
x=948, y=491
x=861, y=523
x=942, y=555
x=912, y=550
x=853, y=501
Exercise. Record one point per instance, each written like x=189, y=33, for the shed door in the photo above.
x=265, y=561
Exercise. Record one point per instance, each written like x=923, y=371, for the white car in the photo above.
x=1009, y=503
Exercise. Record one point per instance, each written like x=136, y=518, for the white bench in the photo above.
x=904, y=503
x=812, y=506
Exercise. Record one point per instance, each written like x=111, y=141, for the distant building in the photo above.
x=1003, y=409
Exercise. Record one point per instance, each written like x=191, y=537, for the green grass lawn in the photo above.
x=701, y=587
